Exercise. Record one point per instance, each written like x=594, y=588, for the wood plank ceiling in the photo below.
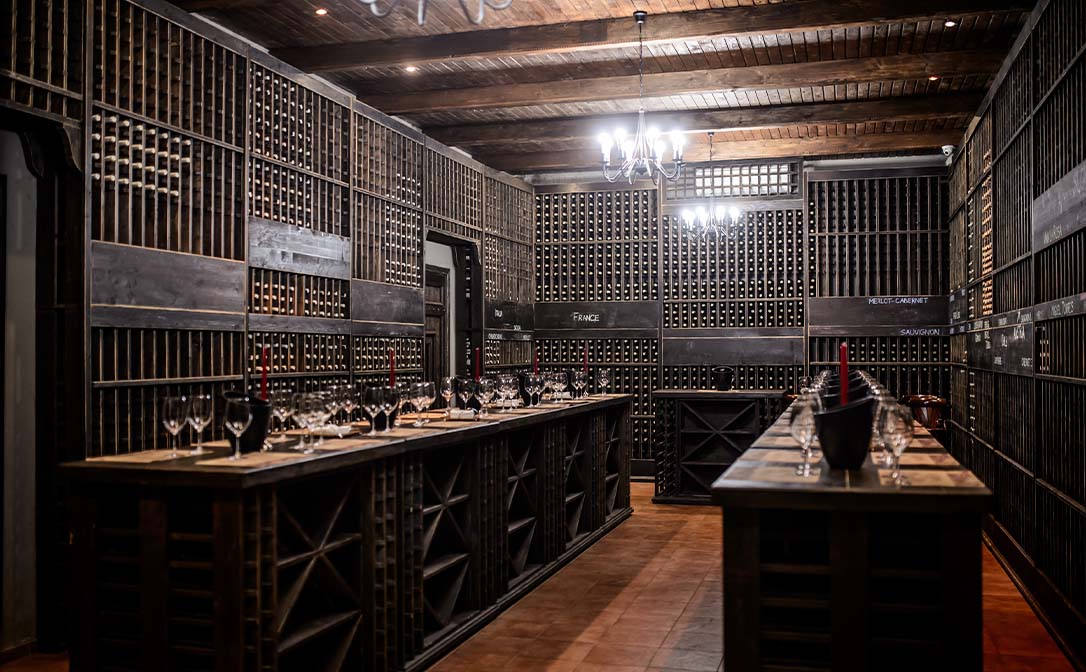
x=530, y=89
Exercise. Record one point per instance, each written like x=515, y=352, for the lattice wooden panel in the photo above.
x=747, y=377
x=958, y=249
x=298, y=127
x=509, y=269
x=1060, y=345
x=768, y=179
x=284, y=293
x=387, y=241
x=1011, y=175
x=979, y=154
x=1061, y=545
x=1013, y=288
x=609, y=236
x=291, y=353
x=1059, y=269
x=454, y=196
x=388, y=164
x=448, y=593
x=1057, y=40
x=127, y=419
x=370, y=354
x=166, y=74
x=298, y=198
x=155, y=187
x=123, y=355
x=510, y=211
x=1059, y=129
x=43, y=66
x=958, y=181
x=1013, y=101
x=508, y=354
x=881, y=236
x=755, y=280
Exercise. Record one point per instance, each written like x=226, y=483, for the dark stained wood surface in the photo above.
x=764, y=477
x=186, y=471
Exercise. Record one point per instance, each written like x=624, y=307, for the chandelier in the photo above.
x=714, y=218
x=642, y=154
x=475, y=16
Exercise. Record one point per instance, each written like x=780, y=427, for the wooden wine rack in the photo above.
x=737, y=180
x=284, y=293
x=43, y=69
x=1021, y=275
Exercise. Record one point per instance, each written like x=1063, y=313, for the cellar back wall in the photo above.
x=1018, y=313
x=821, y=257
x=233, y=203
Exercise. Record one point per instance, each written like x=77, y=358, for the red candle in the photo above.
x=844, y=373
x=264, y=373
x=392, y=367
x=478, y=365
x=586, y=357
x=535, y=363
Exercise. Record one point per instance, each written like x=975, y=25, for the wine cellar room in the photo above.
x=708, y=210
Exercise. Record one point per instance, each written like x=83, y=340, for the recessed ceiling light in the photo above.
x=321, y=11
x=412, y=68
x=933, y=78
x=950, y=23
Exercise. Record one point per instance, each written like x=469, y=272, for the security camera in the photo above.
x=948, y=150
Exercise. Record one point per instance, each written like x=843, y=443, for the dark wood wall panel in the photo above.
x=755, y=280
x=42, y=63
x=1018, y=379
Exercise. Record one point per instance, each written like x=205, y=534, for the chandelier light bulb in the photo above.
x=688, y=217
x=606, y=143
x=678, y=141
x=734, y=213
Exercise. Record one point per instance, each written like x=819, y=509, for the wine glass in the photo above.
x=484, y=391
x=308, y=415
x=603, y=379
x=236, y=419
x=430, y=390
x=390, y=400
x=282, y=410
x=465, y=390
x=372, y=397
x=349, y=402
x=297, y=410
x=175, y=412
x=201, y=408
x=560, y=383
x=580, y=381
x=418, y=401
x=882, y=398
x=448, y=391
x=802, y=428
x=509, y=387
x=896, y=427
x=403, y=396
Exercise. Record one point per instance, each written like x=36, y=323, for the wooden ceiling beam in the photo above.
x=727, y=80
x=808, y=15
x=912, y=108
x=745, y=149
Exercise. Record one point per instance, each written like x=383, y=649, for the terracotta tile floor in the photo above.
x=647, y=597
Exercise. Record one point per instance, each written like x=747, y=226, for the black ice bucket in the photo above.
x=723, y=378
x=252, y=439
x=844, y=433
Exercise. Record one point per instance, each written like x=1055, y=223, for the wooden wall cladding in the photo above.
x=42, y=63
x=235, y=203
x=754, y=281
x=1017, y=315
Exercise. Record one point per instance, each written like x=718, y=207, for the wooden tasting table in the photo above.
x=846, y=571
x=372, y=553
x=697, y=434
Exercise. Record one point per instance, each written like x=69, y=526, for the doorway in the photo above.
x=435, y=349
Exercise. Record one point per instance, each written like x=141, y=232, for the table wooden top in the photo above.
x=764, y=477
x=212, y=470
x=716, y=394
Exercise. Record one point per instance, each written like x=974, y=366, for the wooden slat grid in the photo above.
x=387, y=245
x=387, y=163
x=299, y=295
x=979, y=149
x=370, y=354
x=508, y=254
x=155, y=187
x=1058, y=39
x=126, y=355
x=881, y=236
x=43, y=66
x=1059, y=270
x=297, y=127
x=1013, y=200
x=1013, y=288
x=609, y=237
x=154, y=69
x=755, y=280
x=906, y=365
x=958, y=249
x=454, y=199
x=291, y=354
x=298, y=197
x=1059, y=129
x=749, y=179
x=508, y=354
x=1012, y=103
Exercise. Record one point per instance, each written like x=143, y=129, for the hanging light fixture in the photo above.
x=476, y=16
x=714, y=218
x=642, y=154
